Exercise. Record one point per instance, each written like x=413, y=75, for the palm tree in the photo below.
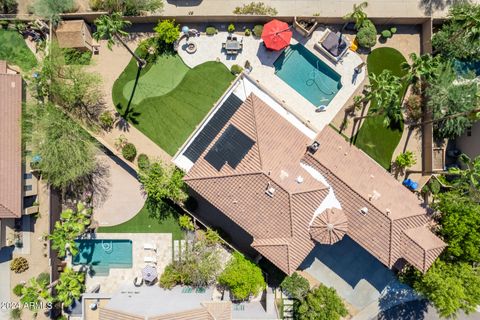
x=468, y=178
x=358, y=15
x=383, y=95
x=35, y=291
x=423, y=67
x=467, y=19
x=69, y=287
x=111, y=27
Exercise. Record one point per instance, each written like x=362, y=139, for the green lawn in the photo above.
x=378, y=141
x=172, y=100
x=149, y=221
x=14, y=50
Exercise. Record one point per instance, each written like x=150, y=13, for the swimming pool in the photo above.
x=103, y=254
x=308, y=75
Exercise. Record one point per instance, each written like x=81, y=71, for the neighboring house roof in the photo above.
x=73, y=34
x=256, y=169
x=10, y=144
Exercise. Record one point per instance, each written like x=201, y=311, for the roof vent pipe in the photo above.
x=299, y=179
x=364, y=210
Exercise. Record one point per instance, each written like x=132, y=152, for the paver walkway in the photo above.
x=110, y=64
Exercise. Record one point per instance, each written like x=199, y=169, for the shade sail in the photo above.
x=329, y=226
x=276, y=35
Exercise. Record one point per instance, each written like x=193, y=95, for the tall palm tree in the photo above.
x=423, y=67
x=111, y=27
x=69, y=287
x=357, y=15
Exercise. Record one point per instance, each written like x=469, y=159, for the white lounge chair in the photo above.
x=150, y=260
x=150, y=246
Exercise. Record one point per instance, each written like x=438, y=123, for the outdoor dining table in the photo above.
x=233, y=45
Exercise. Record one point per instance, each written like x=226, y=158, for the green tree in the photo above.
x=459, y=37
x=358, y=15
x=423, y=67
x=321, y=303
x=383, y=94
x=35, y=291
x=468, y=180
x=186, y=223
x=72, y=224
x=161, y=181
x=51, y=9
x=111, y=27
x=167, y=31
x=67, y=152
x=69, y=287
x=451, y=102
x=460, y=226
x=367, y=34
x=8, y=6
x=404, y=160
x=450, y=287
x=295, y=285
x=242, y=277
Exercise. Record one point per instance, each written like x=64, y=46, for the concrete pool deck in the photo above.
x=263, y=72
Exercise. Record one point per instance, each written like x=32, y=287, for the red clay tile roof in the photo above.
x=280, y=221
x=10, y=145
x=73, y=34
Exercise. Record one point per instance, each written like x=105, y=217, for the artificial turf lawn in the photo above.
x=14, y=50
x=147, y=221
x=378, y=141
x=169, y=119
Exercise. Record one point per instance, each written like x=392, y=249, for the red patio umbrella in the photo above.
x=276, y=35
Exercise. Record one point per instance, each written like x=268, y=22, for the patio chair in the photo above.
x=229, y=37
x=333, y=45
x=234, y=38
x=149, y=246
x=150, y=260
x=138, y=281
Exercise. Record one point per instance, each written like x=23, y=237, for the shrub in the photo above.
x=393, y=30
x=107, y=120
x=295, y=285
x=162, y=182
x=43, y=277
x=143, y=161
x=257, y=30
x=166, y=31
x=17, y=290
x=256, y=8
x=169, y=277
x=4, y=24
x=367, y=34
x=74, y=56
x=212, y=237
x=236, y=69
x=210, y=31
x=248, y=32
x=16, y=314
x=128, y=8
x=387, y=34
x=321, y=303
x=242, y=277
x=19, y=265
x=413, y=106
x=231, y=28
x=129, y=151
x=405, y=160
x=8, y=6
x=186, y=222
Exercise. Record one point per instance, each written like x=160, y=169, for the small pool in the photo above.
x=307, y=74
x=104, y=254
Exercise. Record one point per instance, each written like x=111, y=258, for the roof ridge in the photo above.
x=8, y=210
x=252, y=98
x=224, y=176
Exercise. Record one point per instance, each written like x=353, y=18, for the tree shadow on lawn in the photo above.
x=129, y=115
x=161, y=210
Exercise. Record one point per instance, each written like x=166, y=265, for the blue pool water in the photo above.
x=308, y=75
x=102, y=255
x=463, y=67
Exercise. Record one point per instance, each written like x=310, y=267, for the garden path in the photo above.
x=110, y=64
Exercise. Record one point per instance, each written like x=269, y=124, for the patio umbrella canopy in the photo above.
x=329, y=226
x=276, y=35
x=149, y=273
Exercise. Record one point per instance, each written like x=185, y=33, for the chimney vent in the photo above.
x=299, y=179
x=314, y=147
x=364, y=210
x=270, y=190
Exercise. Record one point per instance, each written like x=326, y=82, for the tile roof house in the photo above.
x=11, y=193
x=289, y=191
x=74, y=34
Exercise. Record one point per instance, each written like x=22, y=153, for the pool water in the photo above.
x=102, y=254
x=308, y=75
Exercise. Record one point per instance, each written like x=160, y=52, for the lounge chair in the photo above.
x=333, y=45
x=150, y=260
x=149, y=246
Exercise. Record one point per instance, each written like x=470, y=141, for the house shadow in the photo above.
x=184, y=3
x=412, y=310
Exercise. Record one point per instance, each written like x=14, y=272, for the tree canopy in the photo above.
x=468, y=178
x=161, y=181
x=70, y=286
x=51, y=9
x=242, y=277
x=167, y=31
x=321, y=303
x=295, y=285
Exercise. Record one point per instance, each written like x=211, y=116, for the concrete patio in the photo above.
x=263, y=72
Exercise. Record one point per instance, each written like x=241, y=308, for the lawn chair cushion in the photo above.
x=332, y=44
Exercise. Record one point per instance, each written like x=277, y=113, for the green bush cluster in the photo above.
x=295, y=286
x=19, y=265
x=143, y=161
x=210, y=31
x=17, y=290
x=388, y=33
x=248, y=32
x=231, y=28
x=4, y=24
x=107, y=120
x=405, y=160
x=367, y=34
x=236, y=69
x=256, y=8
x=257, y=30
x=129, y=151
x=186, y=223
x=128, y=7
x=74, y=56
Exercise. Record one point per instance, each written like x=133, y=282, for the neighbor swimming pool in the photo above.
x=308, y=75
x=102, y=255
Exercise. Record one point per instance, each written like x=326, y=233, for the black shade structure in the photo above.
x=232, y=146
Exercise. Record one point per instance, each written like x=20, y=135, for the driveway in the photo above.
x=359, y=278
x=122, y=196
x=5, y=258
